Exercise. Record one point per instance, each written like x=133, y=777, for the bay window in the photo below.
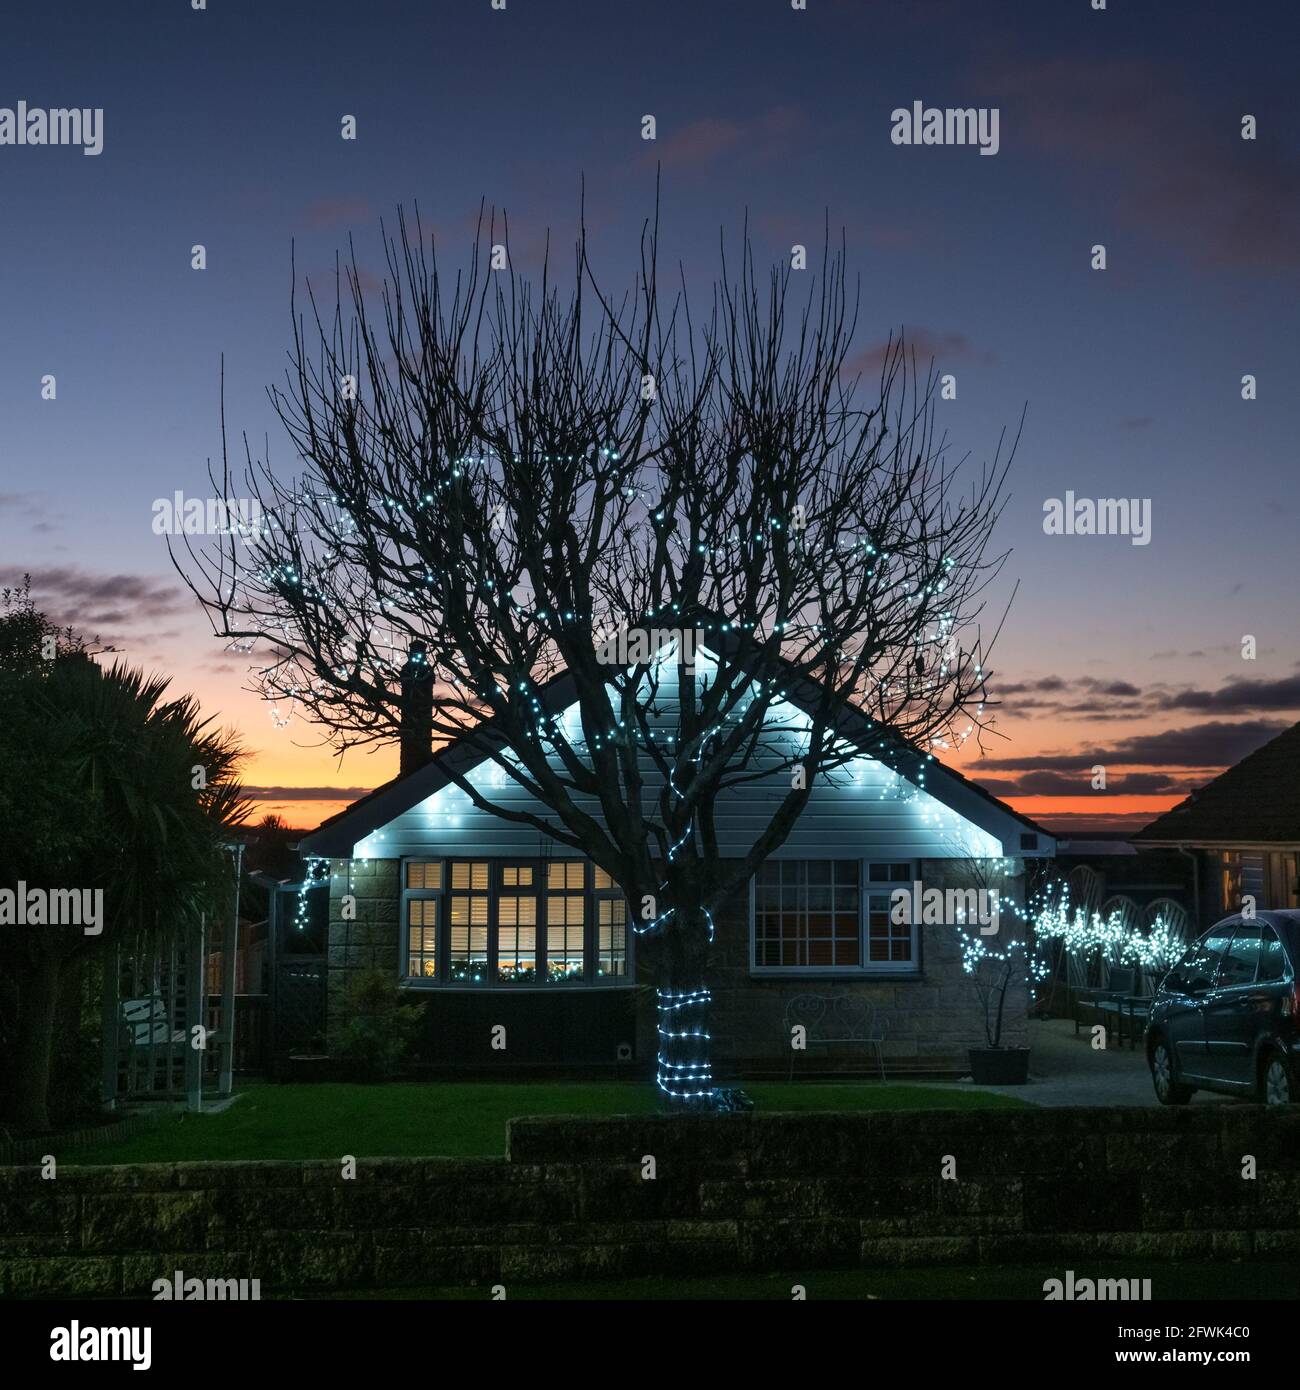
x=490, y=923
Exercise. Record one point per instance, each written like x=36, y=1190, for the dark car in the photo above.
x=1227, y=1016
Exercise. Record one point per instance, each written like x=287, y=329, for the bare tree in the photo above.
x=497, y=477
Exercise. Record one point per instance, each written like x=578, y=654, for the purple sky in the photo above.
x=1119, y=127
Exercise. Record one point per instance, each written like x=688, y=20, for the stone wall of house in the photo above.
x=730, y=1194
x=931, y=1019
x=373, y=939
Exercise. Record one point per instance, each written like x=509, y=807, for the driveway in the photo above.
x=1066, y=1070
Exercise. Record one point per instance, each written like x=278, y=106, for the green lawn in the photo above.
x=456, y=1119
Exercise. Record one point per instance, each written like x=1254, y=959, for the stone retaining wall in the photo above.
x=730, y=1194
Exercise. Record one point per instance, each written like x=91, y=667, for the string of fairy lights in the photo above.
x=316, y=874
x=684, y=1073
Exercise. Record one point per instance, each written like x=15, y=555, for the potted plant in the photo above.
x=994, y=968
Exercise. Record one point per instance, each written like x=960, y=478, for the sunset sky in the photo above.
x=1120, y=127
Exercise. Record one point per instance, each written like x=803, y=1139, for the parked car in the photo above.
x=1227, y=1016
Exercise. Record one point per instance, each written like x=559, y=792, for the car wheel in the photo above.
x=1168, y=1091
x=1275, y=1083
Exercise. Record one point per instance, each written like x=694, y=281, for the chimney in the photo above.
x=416, y=739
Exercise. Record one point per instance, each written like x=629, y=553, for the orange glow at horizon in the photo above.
x=295, y=757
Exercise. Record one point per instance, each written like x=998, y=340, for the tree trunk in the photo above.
x=38, y=1004
x=684, y=1069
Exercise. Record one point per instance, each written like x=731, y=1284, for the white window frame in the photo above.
x=866, y=969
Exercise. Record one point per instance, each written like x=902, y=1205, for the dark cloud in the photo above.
x=1148, y=784
x=330, y=212
x=1048, y=783
x=1047, y=685
x=73, y=597
x=700, y=144
x=1237, y=697
x=946, y=348
x=32, y=508
x=1125, y=709
x=226, y=668
x=1212, y=745
x=1090, y=697
x=1184, y=173
x=1119, y=689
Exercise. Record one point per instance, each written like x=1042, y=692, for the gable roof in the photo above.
x=336, y=836
x=1257, y=802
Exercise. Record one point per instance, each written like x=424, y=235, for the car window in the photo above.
x=1199, y=965
x=1272, y=958
x=1237, y=965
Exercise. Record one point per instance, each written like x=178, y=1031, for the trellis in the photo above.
x=159, y=1035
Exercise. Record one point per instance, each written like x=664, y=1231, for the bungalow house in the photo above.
x=495, y=928
x=1241, y=832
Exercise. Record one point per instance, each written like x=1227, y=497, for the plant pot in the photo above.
x=999, y=1066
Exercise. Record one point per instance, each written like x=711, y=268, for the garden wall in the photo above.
x=730, y=1193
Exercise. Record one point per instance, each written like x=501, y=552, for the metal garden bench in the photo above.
x=1123, y=998
x=836, y=1020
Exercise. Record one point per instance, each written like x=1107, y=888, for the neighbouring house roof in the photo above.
x=1255, y=803
x=336, y=836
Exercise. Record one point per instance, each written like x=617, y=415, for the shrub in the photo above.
x=378, y=1028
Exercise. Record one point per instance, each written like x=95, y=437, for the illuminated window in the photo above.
x=488, y=923
x=516, y=928
x=566, y=929
x=424, y=875
x=422, y=937
x=467, y=922
x=611, y=937
x=423, y=895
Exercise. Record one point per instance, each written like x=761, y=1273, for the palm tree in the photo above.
x=111, y=787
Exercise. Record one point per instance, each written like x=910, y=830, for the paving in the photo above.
x=1068, y=1070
